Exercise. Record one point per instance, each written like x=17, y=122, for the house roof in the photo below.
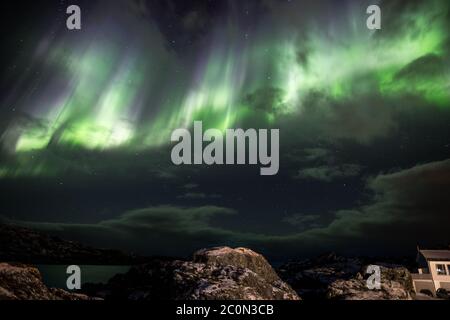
x=436, y=255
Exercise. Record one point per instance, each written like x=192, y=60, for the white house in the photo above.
x=434, y=271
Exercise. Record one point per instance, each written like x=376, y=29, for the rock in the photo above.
x=29, y=246
x=240, y=257
x=335, y=277
x=396, y=284
x=215, y=273
x=22, y=282
x=225, y=282
x=218, y=273
x=310, y=278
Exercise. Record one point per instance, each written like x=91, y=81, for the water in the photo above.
x=55, y=275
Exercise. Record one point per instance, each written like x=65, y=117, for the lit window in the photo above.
x=440, y=268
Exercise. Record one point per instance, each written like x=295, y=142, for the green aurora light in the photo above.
x=104, y=105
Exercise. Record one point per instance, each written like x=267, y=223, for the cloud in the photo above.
x=431, y=65
x=362, y=117
x=330, y=173
x=198, y=195
x=406, y=207
x=314, y=154
x=163, y=230
x=304, y=221
x=190, y=186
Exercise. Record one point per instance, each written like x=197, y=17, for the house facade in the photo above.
x=434, y=271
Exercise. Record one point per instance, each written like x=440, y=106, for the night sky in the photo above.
x=364, y=117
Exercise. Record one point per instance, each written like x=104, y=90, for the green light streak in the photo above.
x=99, y=109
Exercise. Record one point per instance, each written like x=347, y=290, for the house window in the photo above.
x=440, y=268
x=448, y=269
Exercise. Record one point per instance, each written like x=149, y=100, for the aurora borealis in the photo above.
x=86, y=118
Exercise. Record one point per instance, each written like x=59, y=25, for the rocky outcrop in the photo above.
x=22, y=282
x=310, y=278
x=29, y=246
x=395, y=284
x=219, y=273
x=242, y=257
x=335, y=277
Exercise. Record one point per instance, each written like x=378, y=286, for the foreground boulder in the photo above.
x=241, y=257
x=219, y=273
x=21, y=282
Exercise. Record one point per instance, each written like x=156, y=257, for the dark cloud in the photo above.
x=304, y=221
x=429, y=65
x=164, y=230
x=361, y=118
x=314, y=154
x=330, y=173
x=406, y=207
x=198, y=196
x=190, y=186
x=265, y=99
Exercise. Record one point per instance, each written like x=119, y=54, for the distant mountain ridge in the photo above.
x=20, y=244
